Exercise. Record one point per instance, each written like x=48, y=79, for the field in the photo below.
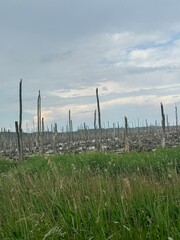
x=92, y=196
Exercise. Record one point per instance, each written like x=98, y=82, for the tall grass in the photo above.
x=92, y=196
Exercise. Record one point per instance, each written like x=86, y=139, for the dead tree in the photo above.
x=126, y=137
x=42, y=135
x=95, y=120
x=55, y=135
x=95, y=130
x=19, y=127
x=163, y=127
x=70, y=130
x=39, y=122
x=18, y=139
x=99, y=121
x=176, y=116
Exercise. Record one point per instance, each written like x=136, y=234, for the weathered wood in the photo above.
x=163, y=126
x=20, y=106
x=42, y=135
x=99, y=121
x=19, y=127
x=70, y=131
x=126, y=145
x=95, y=120
x=98, y=106
x=39, y=122
x=176, y=116
x=17, y=132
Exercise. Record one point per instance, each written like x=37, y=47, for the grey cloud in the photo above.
x=56, y=57
x=62, y=44
x=69, y=19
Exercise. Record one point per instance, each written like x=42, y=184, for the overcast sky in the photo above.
x=129, y=49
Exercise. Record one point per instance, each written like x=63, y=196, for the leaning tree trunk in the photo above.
x=99, y=121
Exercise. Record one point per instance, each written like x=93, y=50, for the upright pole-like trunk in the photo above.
x=114, y=131
x=20, y=106
x=126, y=147
x=39, y=121
x=20, y=120
x=55, y=134
x=118, y=133
x=95, y=120
x=95, y=130
x=18, y=138
x=19, y=127
x=70, y=131
x=99, y=121
x=42, y=135
x=163, y=126
x=167, y=124
x=39, y=112
x=176, y=115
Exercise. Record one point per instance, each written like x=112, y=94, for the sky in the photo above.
x=129, y=50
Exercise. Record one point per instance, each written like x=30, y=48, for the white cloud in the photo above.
x=105, y=61
x=156, y=57
x=83, y=111
x=105, y=88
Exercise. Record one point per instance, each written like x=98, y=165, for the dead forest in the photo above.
x=18, y=145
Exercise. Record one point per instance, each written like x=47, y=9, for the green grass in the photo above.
x=92, y=196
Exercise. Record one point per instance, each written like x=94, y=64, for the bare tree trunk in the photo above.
x=20, y=120
x=126, y=147
x=99, y=121
x=98, y=106
x=19, y=127
x=55, y=134
x=39, y=122
x=17, y=132
x=95, y=131
x=95, y=120
x=118, y=134
x=163, y=126
x=42, y=136
x=176, y=115
x=114, y=131
x=70, y=131
x=167, y=124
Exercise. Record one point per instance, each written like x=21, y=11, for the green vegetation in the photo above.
x=92, y=196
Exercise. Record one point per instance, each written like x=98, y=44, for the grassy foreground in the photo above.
x=92, y=196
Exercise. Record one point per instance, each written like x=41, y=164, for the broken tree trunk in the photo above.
x=18, y=139
x=42, y=135
x=70, y=129
x=163, y=127
x=95, y=131
x=99, y=122
x=39, y=122
x=176, y=116
x=19, y=127
x=20, y=120
x=126, y=137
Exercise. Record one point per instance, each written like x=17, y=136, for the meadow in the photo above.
x=91, y=196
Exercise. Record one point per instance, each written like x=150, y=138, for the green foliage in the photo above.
x=92, y=196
